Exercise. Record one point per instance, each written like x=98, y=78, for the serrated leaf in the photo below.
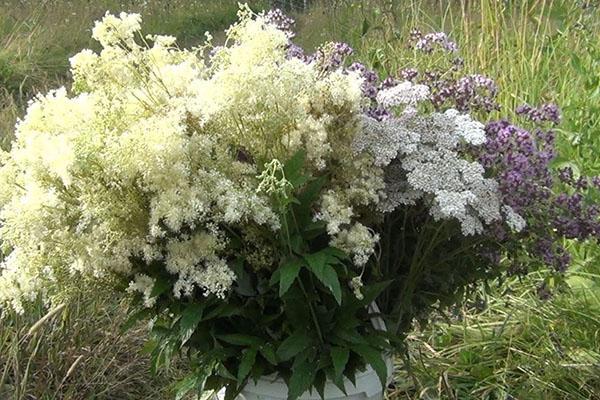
x=288, y=273
x=301, y=380
x=190, y=318
x=246, y=363
x=340, y=357
x=293, y=345
x=374, y=358
x=318, y=265
x=337, y=381
x=241, y=339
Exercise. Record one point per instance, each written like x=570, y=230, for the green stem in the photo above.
x=313, y=314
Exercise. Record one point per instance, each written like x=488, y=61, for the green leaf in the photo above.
x=371, y=292
x=318, y=264
x=374, y=358
x=304, y=210
x=246, y=363
x=293, y=169
x=240, y=339
x=340, y=357
x=135, y=318
x=310, y=194
x=190, y=318
x=186, y=385
x=292, y=346
x=160, y=286
x=337, y=380
x=365, y=27
x=223, y=310
x=288, y=273
x=332, y=252
x=275, y=277
x=268, y=352
x=320, y=381
x=243, y=281
x=301, y=380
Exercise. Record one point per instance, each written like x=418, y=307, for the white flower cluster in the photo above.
x=424, y=162
x=159, y=151
x=514, y=221
x=404, y=93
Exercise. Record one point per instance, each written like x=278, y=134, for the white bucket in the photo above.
x=368, y=386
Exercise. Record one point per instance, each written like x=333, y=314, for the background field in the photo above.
x=502, y=343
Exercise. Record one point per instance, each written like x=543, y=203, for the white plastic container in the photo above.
x=368, y=385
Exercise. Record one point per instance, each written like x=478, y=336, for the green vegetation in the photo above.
x=503, y=343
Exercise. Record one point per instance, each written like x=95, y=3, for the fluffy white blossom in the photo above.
x=359, y=241
x=404, y=93
x=427, y=164
x=143, y=284
x=516, y=222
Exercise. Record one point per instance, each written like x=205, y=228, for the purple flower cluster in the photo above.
x=409, y=74
x=281, y=21
x=467, y=93
x=520, y=161
x=544, y=113
x=332, y=55
x=431, y=41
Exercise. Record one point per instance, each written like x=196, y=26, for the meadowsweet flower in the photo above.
x=113, y=30
x=144, y=285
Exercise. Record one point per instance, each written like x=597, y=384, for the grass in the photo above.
x=500, y=344
x=77, y=353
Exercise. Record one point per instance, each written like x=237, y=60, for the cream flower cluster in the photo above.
x=156, y=156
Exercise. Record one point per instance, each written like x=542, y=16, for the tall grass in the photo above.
x=77, y=352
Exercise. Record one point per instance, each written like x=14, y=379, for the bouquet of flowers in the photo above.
x=254, y=200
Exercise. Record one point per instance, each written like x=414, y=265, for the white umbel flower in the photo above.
x=404, y=93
